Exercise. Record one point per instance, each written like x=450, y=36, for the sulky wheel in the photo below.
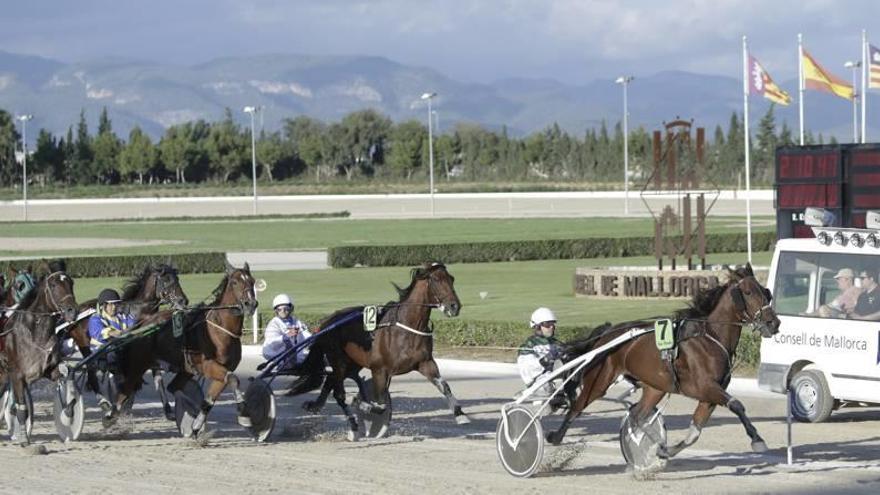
x=187, y=404
x=520, y=441
x=640, y=444
x=69, y=410
x=259, y=405
x=372, y=425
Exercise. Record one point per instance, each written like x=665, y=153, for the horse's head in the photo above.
x=240, y=284
x=752, y=301
x=440, y=287
x=167, y=286
x=58, y=290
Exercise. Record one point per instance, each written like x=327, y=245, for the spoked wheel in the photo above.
x=69, y=410
x=259, y=405
x=187, y=404
x=8, y=402
x=640, y=444
x=372, y=425
x=520, y=441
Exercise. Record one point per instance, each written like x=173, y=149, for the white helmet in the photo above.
x=282, y=300
x=541, y=315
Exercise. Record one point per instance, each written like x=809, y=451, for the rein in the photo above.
x=218, y=327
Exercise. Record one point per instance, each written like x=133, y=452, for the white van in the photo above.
x=823, y=355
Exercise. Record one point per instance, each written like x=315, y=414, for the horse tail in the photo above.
x=586, y=342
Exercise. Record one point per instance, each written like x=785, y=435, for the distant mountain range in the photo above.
x=155, y=96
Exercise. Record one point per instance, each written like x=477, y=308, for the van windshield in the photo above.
x=822, y=285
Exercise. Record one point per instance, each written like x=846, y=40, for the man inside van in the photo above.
x=845, y=302
x=868, y=305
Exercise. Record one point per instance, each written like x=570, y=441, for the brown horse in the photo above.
x=30, y=347
x=402, y=342
x=210, y=345
x=141, y=297
x=708, y=335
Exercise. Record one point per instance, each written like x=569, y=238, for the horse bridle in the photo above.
x=739, y=301
x=163, y=289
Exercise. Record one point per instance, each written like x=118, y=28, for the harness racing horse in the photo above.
x=709, y=332
x=141, y=297
x=30, y=347
x=402, y=342
x=209, y=345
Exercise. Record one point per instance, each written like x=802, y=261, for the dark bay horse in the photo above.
x=31, y=349
x=708, y=337
x=141, y=297
x=402, y=342
x=210, y=345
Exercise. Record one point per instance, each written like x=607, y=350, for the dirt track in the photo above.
x=426, y=452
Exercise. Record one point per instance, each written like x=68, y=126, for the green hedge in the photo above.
x=508, y=334
x=481, y=252
x=125, y=266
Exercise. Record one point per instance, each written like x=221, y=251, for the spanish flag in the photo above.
x=816, y=77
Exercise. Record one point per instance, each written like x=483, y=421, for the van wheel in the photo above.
x=811, y=402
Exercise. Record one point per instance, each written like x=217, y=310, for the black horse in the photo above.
x=402, y=342
x=31, y=349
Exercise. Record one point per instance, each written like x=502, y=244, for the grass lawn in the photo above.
x=299, y=234
x=514, y=289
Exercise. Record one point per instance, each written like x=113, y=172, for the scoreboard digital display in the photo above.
x=842, y=178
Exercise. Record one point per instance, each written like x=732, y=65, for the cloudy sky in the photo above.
x=471, y=40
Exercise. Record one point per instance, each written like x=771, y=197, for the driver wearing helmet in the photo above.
x=109, y=322
x=285, y=331
x=540, y=351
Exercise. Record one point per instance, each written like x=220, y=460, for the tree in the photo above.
x=227, y=147
x=106, y=148
x=9, y=139
x=138, y=156
x=48, y=157
x=306, y=136
x=83, y=155
x=405, y=145
x=765, y=153
x=182, y=148
x=363, y=137
x=274, y=153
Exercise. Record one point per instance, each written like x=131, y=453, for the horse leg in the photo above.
x=217, y=374
x=19, y=430
x=432, y=373
x=644, y=411
x=595, y=382
x=339, y=395
x=159, y=383
x=315, y=406
x=698, y=421
x=718, y=396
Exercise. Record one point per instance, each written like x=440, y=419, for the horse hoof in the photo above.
x=311, y=407
x=759, y=446
x=352, y=436
x=462, y=419
x=245, y=421
x=553, y=438
x=108, y=421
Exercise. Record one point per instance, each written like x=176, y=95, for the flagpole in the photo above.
x=864, y=81
x=746, y=140
x=801, y=84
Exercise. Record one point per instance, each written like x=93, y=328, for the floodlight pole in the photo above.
x=429, y=97
x=855, y=67
x=24, y=120
x=252, y=111
x=624, y=81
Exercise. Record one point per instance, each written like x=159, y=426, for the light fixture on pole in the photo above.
x=252, y=111
x=429, y=97
x=855, y=67
x=624, y=81
x=24, y=120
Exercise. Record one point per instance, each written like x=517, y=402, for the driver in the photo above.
x=541, y=350
x=285, y=331
x=109, y=322
x=845, y=302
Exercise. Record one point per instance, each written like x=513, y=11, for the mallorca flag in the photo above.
x=760, y=83
x=873, y=67
x=816, y=77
